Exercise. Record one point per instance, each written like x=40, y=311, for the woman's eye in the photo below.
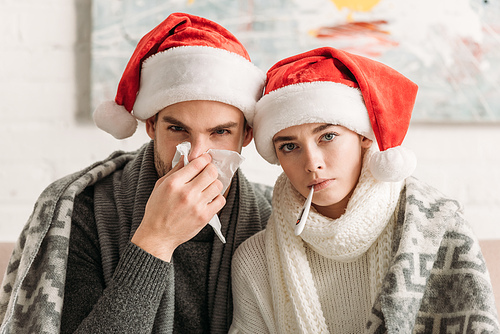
x=329, y=136
x=287, y=147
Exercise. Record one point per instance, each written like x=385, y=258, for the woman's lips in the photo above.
x=320, y=184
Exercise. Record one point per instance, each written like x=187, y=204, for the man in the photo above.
x=124, y=245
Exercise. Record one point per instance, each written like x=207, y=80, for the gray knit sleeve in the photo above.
x=130, y=302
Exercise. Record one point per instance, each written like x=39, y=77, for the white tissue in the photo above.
x=227, y=162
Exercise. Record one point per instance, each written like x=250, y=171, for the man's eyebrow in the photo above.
x=228, y=125
x=174, y=121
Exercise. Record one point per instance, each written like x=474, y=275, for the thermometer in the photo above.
x=301, y=221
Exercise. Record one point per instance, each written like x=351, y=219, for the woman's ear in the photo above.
x=365, y=142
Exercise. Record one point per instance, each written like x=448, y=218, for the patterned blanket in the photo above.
x=438, y=281
x=32, y=290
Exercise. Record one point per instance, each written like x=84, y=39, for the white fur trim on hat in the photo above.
x=115, y=120
x=310, y=102
x=189, y=73
x=393, y=165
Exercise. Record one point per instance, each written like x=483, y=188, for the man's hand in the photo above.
x=181, y=204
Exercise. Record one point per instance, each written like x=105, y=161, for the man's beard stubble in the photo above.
x=161, y=167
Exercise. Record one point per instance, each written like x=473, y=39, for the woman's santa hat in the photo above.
x=184, y=58
x=327, y=85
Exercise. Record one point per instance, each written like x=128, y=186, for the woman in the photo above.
x=380, y=251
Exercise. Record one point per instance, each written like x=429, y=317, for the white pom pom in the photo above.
x=393, y=165
x=115, y=120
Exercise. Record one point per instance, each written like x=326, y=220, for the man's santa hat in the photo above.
x=184, y=58
x=327, y=85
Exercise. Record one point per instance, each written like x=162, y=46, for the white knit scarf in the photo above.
x=295, y=300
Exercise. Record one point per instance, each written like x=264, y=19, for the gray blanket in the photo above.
x=33, y=286
x=438, y=281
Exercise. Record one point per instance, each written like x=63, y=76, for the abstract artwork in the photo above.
x=450, y=48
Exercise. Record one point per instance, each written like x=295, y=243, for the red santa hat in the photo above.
x=184, y=58
x=327, y=85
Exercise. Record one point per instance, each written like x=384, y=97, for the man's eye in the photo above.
x=176, y=128
x=221, y=131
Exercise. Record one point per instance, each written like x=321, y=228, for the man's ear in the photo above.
x=365, y=142
x=151, y=126
x=248, y=135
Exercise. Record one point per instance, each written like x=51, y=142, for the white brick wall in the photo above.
x=44, y=92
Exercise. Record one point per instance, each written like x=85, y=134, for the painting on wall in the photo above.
x=450, y=48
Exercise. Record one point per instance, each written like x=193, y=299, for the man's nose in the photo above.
x=198, y=147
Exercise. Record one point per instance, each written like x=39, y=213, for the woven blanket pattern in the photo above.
x=32, y=291
x=438, y=282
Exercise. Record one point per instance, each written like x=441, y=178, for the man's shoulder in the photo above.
x=254, y=203
x=99, y=169
x=75, y=183
x=263, y=190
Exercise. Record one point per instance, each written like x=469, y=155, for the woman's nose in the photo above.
x=314, y=160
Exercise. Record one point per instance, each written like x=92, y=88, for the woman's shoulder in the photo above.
x=253, y=249
x=431, y=215
x=250, y=256
x=429, y=199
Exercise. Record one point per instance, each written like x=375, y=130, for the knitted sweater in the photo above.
x=436, y=280
x=97, y=279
